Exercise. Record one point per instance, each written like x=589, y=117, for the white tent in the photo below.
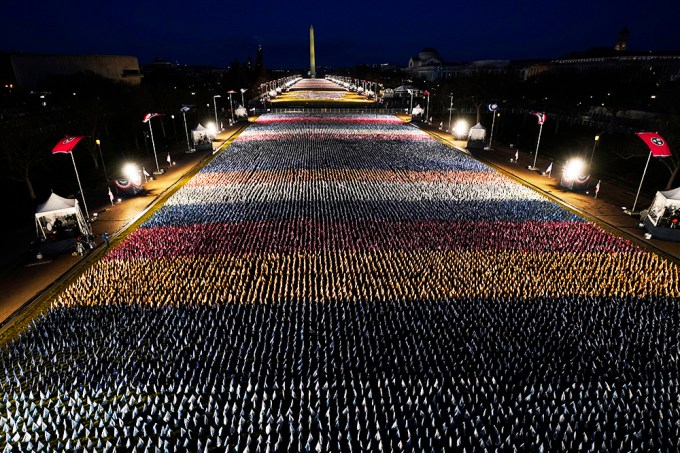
x=477, y=133
x=417, y=110
x=202, y=138
x=59, y=218
x=241, y=112
x=201, y=134
x=665, y=204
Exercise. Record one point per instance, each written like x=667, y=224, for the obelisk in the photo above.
x=312, y=59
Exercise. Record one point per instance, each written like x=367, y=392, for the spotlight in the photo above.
x=574, y=169
x=461, y=128
x=132, y=173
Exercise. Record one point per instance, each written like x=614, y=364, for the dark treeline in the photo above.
x=32, y=121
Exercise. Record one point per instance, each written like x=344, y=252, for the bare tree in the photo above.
x=21, y=151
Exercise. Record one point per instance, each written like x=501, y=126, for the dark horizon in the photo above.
x=389, y=32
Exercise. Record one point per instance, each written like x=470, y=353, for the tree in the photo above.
x=22, y=150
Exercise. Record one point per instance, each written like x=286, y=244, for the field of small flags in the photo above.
x=348, y=283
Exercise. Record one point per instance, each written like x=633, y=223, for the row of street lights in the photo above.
x=231, y=104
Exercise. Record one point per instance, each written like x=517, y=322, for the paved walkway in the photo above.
x=22, y=285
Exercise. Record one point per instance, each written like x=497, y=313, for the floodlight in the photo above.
x=461, y=128
x=574, y=169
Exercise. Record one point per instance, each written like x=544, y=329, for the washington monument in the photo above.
x=312, y=59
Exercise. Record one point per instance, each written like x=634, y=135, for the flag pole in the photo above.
x=537, y=144
x=186, y=130
x=82, y=194
x=643, y=178
x=158, y=169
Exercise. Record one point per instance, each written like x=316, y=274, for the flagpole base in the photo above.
x=159, y=172
x=532, y=168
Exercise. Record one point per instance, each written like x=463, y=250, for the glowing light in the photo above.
x=461, y=128
x=132, y=173
x=574, y=169
x=212, y=128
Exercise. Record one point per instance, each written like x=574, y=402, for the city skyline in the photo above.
x=390, y=32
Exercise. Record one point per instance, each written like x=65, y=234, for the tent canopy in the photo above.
x=201, y=135
x=59, y=217
x=477, y=132
x=55, y=203
x=666, y=204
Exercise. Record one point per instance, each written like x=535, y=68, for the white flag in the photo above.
x=516, y=155
x=597, y=188
x=549, y=169
x=169, y=159
x=111, y=196
x=146, y=173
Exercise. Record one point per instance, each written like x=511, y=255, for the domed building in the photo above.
x=427, y=57
x=427, y=65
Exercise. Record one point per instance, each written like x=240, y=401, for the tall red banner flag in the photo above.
x=148, y=117
x=540, y=116
x=657, y=145
x=66, y=144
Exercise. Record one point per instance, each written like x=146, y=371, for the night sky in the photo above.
x=347, y=33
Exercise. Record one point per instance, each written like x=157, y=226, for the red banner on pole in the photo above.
x=540, y=116
x=66, y=144
x=148, y=117
x=657, y=145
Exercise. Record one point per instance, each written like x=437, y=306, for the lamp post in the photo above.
x=450, y=110
x=174, y=127
x=217, y=124
x=597, y=139
x=185, y=109
x=231, y=106
x=410, y=107
x=427, y=106
x=493, y=108
x=243, y=102
x=99, y=144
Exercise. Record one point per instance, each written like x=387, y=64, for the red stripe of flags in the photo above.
x=657, y=145
x=67, y=144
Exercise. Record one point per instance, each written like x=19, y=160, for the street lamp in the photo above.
x=174, y=127
x=450, y=110
x=410, y=107
x=99, y=144
x=597, y=139
x=243, y=90
x=427, y=107
x=184, y=110
x=215, y=101
x=231, y=106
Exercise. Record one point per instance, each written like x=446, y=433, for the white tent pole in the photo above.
x=538, y=143
x=80, y=186
x=643, y=178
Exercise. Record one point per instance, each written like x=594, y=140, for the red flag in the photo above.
x=66, y=144
x=148, y=116
x=540, y=116
x=657, y=145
